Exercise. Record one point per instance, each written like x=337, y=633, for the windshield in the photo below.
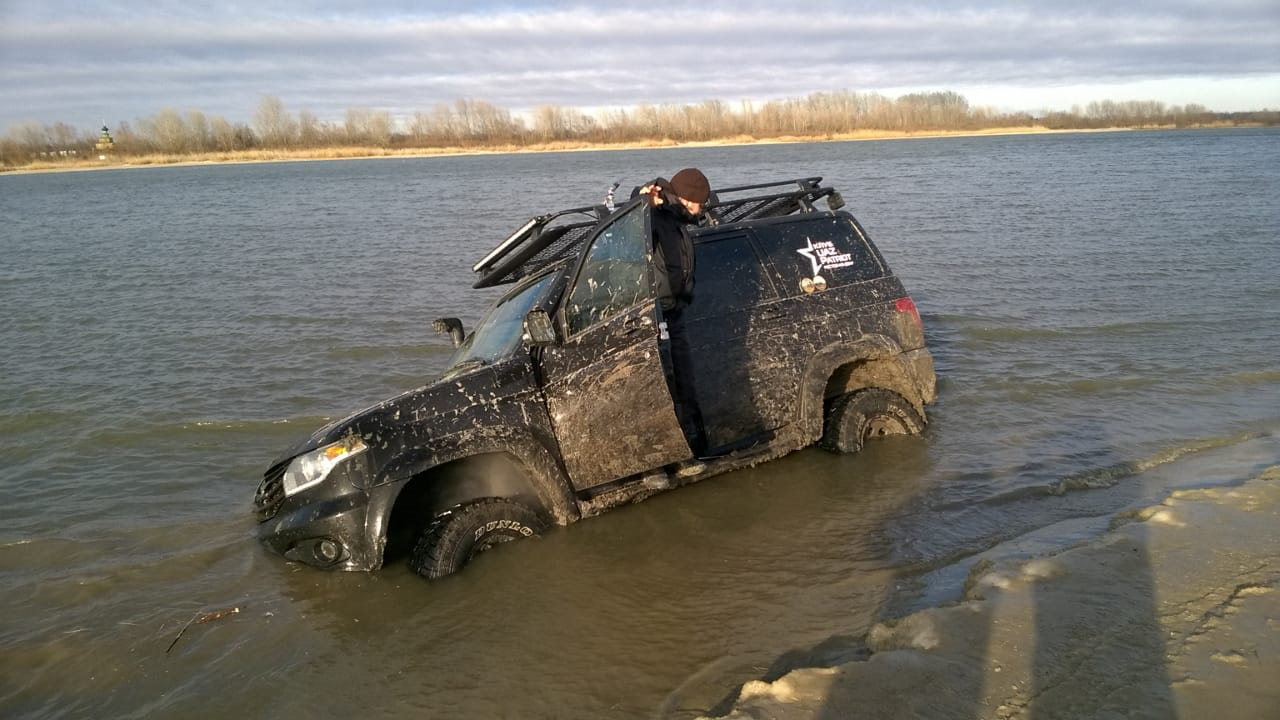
x=499, y=332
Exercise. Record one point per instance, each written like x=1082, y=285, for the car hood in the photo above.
x=434, y=408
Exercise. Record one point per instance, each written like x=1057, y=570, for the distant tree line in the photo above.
x=469, y=123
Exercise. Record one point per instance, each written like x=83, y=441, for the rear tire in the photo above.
x=874, y=412
x=459, y=534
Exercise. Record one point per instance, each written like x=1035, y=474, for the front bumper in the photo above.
x=325, y=526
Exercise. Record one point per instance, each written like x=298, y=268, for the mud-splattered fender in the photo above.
x=871, y=360
x=543, y=473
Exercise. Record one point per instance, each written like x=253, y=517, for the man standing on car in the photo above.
x=677, y=203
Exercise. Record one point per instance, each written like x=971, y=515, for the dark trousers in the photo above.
x=683, y=389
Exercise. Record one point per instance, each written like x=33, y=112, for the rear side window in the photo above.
x=728, y=277
x=816, y=254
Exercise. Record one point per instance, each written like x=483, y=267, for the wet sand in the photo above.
x=1174, y=612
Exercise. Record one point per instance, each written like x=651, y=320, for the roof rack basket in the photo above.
x=538, y=243
x=549, y=239
x=803, y=193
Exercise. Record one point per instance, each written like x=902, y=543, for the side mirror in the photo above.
x=538, y=329
x=451, y=327
x=835, y=200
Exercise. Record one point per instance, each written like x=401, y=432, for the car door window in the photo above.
x=730, y=277
x=614, y=275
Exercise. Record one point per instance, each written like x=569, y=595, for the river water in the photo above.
x=1098, y=305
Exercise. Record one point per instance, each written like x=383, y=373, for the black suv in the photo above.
x=557, y=406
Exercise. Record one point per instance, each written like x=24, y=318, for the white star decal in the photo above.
x=813, y=256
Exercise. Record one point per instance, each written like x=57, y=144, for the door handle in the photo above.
x=772, y=314
x=632, y=325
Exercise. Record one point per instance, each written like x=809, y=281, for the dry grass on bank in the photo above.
x=343, y=153
x=329, y=153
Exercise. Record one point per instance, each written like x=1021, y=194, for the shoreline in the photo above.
x=244, y=157
x=1172, y=612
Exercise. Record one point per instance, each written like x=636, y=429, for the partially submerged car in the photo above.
x=558, y=405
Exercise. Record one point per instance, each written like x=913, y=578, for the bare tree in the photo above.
x=492, y=123
x=551, y=122
x=222, y=135
x=166, y=131
x=23, y=143
x=447, y=127
x=310, y=132
x=64, y=137
x=420, y=128
x=368, y=127
x=380, y=128
x=199, y=138
x=30, y=134
x=276, y=128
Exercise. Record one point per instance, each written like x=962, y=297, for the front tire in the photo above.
x=874, y=412
x=459, y=534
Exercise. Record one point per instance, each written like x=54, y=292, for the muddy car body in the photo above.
x=558, y=406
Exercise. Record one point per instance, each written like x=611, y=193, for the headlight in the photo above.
x=310, y=469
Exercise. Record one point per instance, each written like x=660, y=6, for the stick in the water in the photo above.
x=197, y=619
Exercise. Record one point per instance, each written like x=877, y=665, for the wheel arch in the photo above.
x=868, y=362
x=494, y=467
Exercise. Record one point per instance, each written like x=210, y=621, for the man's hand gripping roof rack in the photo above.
x=541, y=242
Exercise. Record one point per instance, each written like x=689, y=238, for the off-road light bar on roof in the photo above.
x=532, y=228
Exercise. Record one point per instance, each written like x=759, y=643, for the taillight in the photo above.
x=906, y=305
x=907, y=322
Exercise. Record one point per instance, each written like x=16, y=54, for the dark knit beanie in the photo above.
x=691, y=185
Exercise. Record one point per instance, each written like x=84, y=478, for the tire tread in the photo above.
x=446, y=544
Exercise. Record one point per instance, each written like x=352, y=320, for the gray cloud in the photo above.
x=87, y=62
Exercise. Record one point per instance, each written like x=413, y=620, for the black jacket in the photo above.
x=672, y=251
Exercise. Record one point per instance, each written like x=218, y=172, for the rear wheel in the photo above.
x=458, y=535
x=874, y=412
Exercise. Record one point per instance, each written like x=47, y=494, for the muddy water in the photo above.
x=1102, y=309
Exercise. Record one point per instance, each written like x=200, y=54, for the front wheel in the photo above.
x=874, y=412
x=467, y=530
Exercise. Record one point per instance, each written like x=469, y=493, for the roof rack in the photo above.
x=724, y=208
x=549, y=239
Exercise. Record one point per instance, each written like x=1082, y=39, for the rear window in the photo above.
x=818, y=253
x=728, y=277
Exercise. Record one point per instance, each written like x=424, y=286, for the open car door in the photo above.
x=605, y=384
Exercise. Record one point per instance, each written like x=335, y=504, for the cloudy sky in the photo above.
x=86, y=62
